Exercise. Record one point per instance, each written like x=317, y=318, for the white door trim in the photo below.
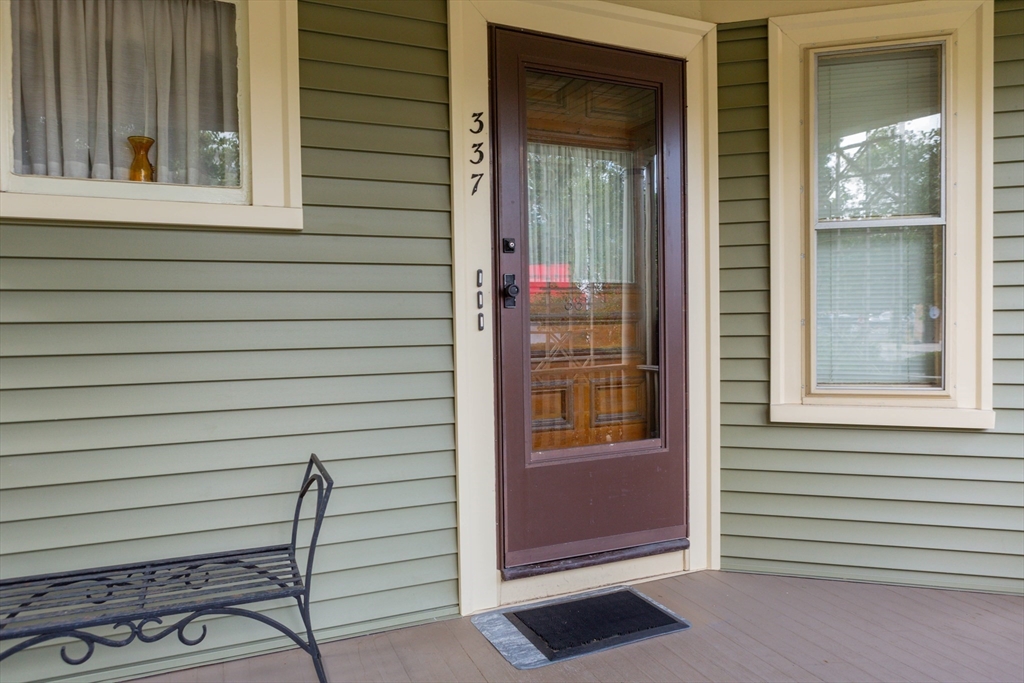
x=480, y=583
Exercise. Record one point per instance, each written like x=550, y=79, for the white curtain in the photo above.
x=89, y=73
x=580, y=213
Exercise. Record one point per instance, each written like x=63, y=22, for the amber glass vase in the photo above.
x=141, y=169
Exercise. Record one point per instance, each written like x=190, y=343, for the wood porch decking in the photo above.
x=745, y=628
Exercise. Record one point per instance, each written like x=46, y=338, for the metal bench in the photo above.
x=138, y=596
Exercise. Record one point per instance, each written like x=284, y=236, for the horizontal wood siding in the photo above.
x=162, y=389
x=924, y=507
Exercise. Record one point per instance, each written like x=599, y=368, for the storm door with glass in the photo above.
x=591, y=304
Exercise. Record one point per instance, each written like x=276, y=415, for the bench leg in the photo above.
x=309, y=646
x=314, y=649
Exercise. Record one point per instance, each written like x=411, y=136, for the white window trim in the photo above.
x=271, y=193
x=966, y=399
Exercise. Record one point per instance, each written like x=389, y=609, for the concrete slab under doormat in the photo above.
x=520, y=652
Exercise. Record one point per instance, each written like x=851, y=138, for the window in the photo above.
x=101, y=94
x=878, y=218
x=91, y=80
x=881, y=216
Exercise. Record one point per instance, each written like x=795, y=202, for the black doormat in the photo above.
x=574, y=627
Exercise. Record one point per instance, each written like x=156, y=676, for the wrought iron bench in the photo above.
x=138, y=596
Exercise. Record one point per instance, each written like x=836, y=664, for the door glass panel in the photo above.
x=592, y=170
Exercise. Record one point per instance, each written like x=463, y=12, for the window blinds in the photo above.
x=879, y=134
x=879, y=289
x=879, y=300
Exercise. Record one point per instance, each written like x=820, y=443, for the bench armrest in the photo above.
x=324, y=485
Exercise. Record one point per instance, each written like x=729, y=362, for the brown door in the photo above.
x=591, y=324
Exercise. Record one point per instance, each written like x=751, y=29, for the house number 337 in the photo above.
x=476, y=157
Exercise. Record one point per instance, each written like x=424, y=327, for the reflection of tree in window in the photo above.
x=887, y=171
x=219, y=153
x=879, y=133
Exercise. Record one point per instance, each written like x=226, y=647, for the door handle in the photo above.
x=511, y=291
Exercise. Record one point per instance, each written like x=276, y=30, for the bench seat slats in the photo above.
x=22, y=614
x=128, y=593
x=76, y=589
x=26, y=583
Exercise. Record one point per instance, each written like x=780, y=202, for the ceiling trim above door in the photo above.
x=480, y=583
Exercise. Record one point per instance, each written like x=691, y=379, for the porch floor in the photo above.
x=745, y=628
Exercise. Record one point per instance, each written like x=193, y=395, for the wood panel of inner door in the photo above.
x=589, y=382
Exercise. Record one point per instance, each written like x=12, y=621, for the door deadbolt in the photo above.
x=511, y=291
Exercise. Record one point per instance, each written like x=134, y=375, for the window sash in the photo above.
x=918, y=219
x=824, y=225
x=881, y=332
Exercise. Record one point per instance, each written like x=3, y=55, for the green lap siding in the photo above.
x=924, y=507
x=161, y=390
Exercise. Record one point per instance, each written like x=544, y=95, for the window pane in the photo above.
x=591, y=162
x=879, y=306
x=88, y=75
x=879, y=134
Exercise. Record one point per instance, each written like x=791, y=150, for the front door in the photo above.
x=591, y=304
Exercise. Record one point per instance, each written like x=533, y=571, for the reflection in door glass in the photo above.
x=592, y=169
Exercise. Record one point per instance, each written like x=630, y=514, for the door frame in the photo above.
x=480, y=584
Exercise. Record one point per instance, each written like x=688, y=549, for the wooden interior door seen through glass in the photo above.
x=592, y=170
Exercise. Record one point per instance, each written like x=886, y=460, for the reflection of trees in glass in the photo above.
x=889, y=171
x=218, y=158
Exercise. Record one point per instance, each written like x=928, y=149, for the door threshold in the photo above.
x=552, y=566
